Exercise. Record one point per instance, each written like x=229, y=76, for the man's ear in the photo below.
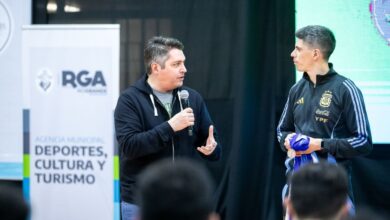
x=317, y=54
x=344, y=212
x=288, y=206
x=155, y=67
x=213, y=216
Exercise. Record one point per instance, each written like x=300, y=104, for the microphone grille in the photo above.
x=184, y=94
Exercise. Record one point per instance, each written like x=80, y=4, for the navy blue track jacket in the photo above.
x=332, y=110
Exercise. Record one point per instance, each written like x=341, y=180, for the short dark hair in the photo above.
x=317, y=35
x=175, y=191
x=12, y=204
x=157, y=49
x=318, y=190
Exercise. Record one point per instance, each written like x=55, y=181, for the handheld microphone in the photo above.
x=184, y=97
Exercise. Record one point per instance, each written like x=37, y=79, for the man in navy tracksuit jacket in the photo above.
x=323, y=105
x=152, y=123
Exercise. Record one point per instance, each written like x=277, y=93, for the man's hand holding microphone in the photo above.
x=185, y=119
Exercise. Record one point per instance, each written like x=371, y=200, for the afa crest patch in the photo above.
x=326, y=99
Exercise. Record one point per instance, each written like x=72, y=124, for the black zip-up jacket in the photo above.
x=332, y=110
x=145, y=136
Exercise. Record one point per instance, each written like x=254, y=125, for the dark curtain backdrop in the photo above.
x=251, y=188
x=238, y=58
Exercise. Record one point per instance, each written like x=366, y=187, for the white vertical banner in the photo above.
x=13, y=14
x=70, y=87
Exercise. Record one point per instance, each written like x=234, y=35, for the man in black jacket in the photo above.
x=324, y=106
x=153, y=120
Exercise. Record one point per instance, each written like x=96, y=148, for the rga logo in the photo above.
x=44, y=80
x=85, y=81
x=5, y=26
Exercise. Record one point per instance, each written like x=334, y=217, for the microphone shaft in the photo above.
x=186, y=104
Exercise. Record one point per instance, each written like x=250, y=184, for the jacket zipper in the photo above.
x=173, y=101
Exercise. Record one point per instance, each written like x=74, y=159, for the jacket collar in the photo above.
x=321, y=79
x=144, y=86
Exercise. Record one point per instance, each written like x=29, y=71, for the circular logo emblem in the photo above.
x=5, y=26
x=380, y=14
